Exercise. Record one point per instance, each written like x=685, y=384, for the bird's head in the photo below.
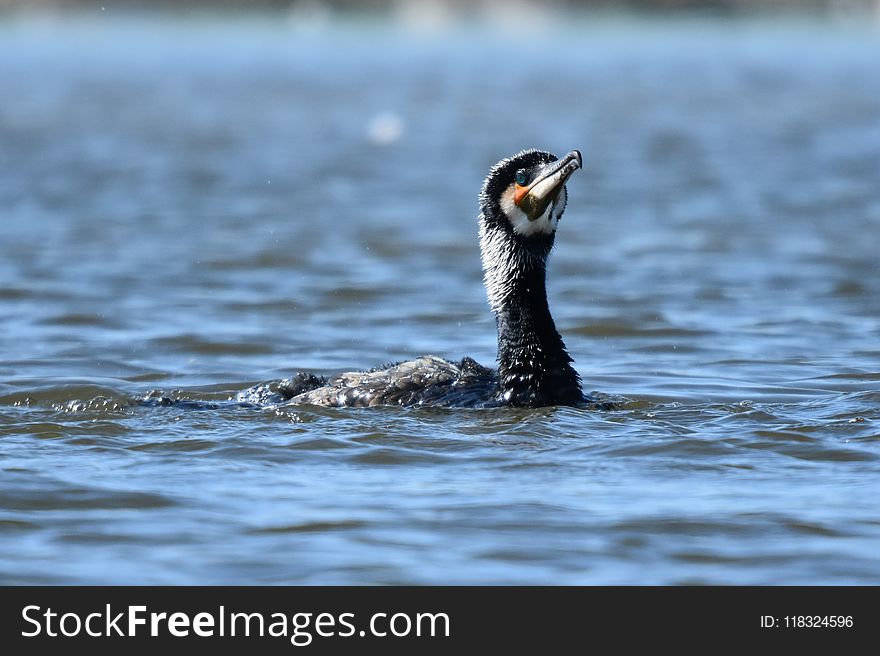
x=525, y=194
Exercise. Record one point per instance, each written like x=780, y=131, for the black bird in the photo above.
x=521, y=202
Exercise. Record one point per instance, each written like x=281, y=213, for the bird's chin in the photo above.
x=542, y=224
x=532, y=220
x=535, y=206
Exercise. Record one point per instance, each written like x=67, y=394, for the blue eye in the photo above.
x=521, y=178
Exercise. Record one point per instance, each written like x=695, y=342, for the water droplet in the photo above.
x=385, y=128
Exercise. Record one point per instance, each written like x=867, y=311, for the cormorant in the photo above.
x=521, y=202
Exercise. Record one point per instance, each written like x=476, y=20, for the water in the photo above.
x=197, y=206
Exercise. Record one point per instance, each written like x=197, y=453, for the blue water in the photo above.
x=192, y=206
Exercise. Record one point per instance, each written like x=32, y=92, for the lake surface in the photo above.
x=190, y=207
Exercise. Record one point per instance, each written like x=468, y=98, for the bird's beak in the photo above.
x=544, y=189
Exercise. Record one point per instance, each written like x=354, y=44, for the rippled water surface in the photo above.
x=194, y=207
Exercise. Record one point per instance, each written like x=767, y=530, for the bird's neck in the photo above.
x=534, y=367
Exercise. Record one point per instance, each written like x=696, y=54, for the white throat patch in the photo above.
x=519, y=221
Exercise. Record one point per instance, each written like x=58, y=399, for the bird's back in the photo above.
x=427, y=380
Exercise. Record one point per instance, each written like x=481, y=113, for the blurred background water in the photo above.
x=194, y=203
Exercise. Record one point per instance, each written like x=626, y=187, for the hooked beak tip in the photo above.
x=576, y=156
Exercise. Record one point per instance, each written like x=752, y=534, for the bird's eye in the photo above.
x=521, y=178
